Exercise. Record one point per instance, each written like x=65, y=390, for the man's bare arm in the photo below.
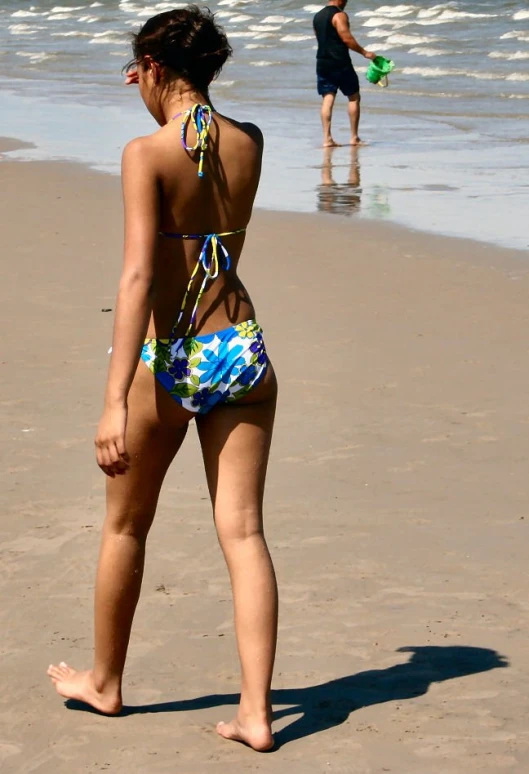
x=341, y=23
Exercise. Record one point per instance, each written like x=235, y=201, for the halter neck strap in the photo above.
x=200, y=117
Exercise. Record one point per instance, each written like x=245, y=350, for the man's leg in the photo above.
x=326, y=118
x=354, y=117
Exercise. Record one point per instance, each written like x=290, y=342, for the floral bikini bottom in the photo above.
x=200, y=372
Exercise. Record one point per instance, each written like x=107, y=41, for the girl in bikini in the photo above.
x=186, y=346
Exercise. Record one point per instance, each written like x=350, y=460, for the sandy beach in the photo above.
x=397, y=503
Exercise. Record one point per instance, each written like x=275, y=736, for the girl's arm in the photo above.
x=134, y=302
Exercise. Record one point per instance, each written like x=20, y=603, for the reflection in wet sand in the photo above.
x=339, y=198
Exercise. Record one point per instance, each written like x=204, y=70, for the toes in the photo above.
x=227, y=731
x=54, y=672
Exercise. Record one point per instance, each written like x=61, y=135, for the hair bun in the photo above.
x=188, y=41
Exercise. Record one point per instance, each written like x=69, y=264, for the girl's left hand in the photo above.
x=111, y=453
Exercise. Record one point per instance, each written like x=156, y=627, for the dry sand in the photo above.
x=396, y=508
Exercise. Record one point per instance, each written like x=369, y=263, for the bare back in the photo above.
x=220, y=201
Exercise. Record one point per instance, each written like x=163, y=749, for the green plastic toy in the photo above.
x=379, y=69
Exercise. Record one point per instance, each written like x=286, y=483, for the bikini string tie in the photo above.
x=199, y=116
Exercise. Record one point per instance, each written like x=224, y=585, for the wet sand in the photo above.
x=396, y=506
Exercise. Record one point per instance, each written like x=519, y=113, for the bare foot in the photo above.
x=256, y=734
x=80, y=686
x=356, y=141
x=331, y=144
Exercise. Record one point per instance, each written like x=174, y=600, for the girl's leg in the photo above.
x=235, y=443
x=155, y=431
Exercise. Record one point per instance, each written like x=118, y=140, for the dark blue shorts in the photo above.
x=346, y=80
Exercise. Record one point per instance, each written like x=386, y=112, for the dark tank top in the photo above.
x=332, y=54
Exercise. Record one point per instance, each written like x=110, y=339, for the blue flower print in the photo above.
x=222, y=364
x=205, y=399
x=258, y=348
x=179, y=368
x=166, y=380
x=247, y=376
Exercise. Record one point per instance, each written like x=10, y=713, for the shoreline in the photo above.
x=396, y=502
x=10, y=145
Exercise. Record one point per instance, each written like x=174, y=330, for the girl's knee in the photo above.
x=238, y=525
x=132, y=522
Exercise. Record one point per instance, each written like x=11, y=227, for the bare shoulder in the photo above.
x=340, y=19
x=139, y=152
x=252, y=131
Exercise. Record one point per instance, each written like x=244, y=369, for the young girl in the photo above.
x=186, y=346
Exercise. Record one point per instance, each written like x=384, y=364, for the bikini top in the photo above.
x=213, y=256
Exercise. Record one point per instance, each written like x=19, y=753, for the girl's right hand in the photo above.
x=131, y=77
x=111, y=453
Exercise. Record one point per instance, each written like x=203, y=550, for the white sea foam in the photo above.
x=312, y=8
x=233, y=3
x=73, y=34
x=60, y=16
x=379, y=33
x=264, y=63
x=278, y=20
x=519, y=15
x=455, y=15
x=392, y=11
x=430, y=72
x=238, y=18
x=427, y=51
x=88, y=19
x=24, y=14
x=243, y=34
x=410, y=40
x=510, y=57
x=396, y=10
x=479, y=76
x=108, y=33
x=517, y=35
x=427, y=13
x=24, y=29
x=60, y=8
x=451, y=16
x=107, y=41
x=251, y=46
x=109, y=37
x=294, y=38
x=35, y=57
x=440, y=72
x=518, y=77
x=264, y=27
x=376, y=21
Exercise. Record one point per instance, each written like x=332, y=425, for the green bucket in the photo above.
x=379, y=68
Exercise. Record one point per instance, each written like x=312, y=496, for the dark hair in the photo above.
x=186, y=40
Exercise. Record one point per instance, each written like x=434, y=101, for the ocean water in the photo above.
x=447, y=143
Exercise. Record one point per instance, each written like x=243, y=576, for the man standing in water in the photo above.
x=333, y=66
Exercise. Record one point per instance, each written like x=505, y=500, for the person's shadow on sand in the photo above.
x=330, y=704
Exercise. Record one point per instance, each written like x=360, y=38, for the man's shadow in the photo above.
x=330, y=704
